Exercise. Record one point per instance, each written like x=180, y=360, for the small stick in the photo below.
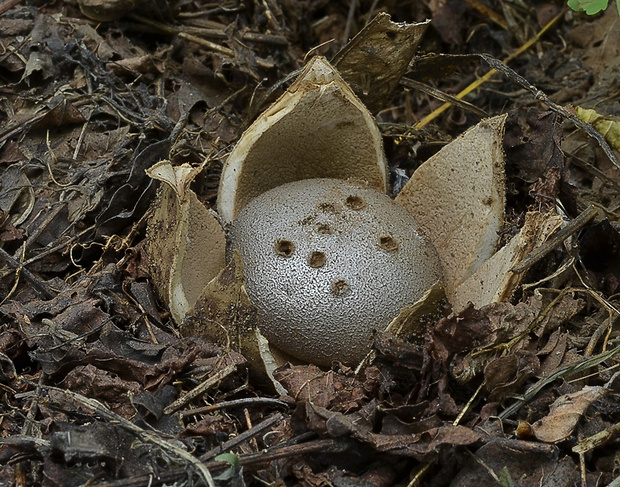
x=58, y=247
x=246, y=435
x=571, y=227
x=248, y=401
x=7, y=5
x=200, y=389
x=327, y=446
x=213, y=33
x=36, y=233
x=37, y=283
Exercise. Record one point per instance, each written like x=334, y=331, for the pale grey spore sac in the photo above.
x=326, y=261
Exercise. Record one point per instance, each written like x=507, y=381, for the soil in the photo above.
x=94, y=374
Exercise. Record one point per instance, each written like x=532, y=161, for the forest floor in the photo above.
x=90, y=359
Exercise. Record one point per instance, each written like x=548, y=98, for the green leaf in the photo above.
x=231, y=471
x=505, y=480
x=590, y=7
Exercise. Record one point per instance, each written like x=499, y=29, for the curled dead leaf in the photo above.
x=565, y=413
x=385, y=49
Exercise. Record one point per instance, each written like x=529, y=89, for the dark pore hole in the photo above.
x=388, y=243
x=284, y=247
x=324, y=228
x=340, y=287
x=355, y=202
x=316, y=259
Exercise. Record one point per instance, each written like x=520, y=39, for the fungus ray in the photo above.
x=317, y=129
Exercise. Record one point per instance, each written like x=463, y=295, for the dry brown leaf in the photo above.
x=317, y=129
x=565, y=413
x=507, y=374
x=186, y=244
x=423, y=446
x=384, y=49
x=457, y=196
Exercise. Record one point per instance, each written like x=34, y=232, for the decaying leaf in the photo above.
x=16, y=194
x=609, y=128
x=423, y=446
x=565, y=413
x=186, y=243
x=531, y=464
x=457, y=196
x=469, y=342
x=385, y=49
x=317, y=129
x=224, y=314
x=506, y=374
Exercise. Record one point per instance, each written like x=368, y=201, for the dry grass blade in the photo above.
x=539, y=95
x=566, y=371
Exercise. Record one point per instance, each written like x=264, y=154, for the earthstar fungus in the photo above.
x=328, y=251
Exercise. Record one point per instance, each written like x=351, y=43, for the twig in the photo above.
x=246, y=435
x=200, y=389
x=248, y=401
x=441, y=96
x=58, y=247
x=40, y=228
x=326, y=446
x=7, y=5
x=347, y=27
x=37, y=283
x=189, y=35
x=212, y=33
x=569, y=229
x=211, y=46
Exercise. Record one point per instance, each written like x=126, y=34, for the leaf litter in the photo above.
x=98, y=386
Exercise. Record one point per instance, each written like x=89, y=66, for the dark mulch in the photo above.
x=90, y=362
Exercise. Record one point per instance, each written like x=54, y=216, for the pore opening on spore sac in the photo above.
x=340, y=287
x=324, y=229
x=355, y=202
x=284, y=247
x=316, y=259
x=389, y=243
